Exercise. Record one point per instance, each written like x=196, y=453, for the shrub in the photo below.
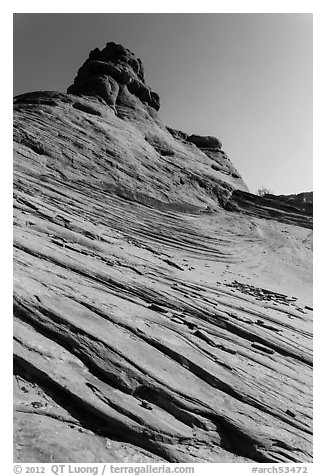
x=262, y=191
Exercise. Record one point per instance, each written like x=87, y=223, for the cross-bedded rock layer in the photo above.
x=151, y=324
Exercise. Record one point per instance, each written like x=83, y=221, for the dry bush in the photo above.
x=262, y=191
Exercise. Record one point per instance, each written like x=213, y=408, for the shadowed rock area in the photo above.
x=113, y=72
x=161, y=311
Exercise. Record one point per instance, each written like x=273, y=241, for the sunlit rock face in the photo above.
x=161, y=312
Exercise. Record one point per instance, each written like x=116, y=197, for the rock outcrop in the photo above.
x=302, y=202
x=113, y=74
x=151, y=322
x=298, y=198
x=280, y=208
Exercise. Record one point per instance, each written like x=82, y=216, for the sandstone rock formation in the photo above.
x=151, y=322
x=112, y=72
x=271, y=206
x=301, y=201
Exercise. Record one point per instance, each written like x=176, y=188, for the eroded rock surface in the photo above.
x=280, y=208
x=150, y=323
x=111, y=72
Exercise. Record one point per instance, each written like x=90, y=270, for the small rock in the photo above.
x=107, y=444
x=192, y=326
x=36, y=404
x=146, y=405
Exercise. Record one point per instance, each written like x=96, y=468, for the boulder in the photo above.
x=205, y=142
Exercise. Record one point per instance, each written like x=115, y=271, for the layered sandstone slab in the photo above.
x=150, y=323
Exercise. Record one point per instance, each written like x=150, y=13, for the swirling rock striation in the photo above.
x=150, y=323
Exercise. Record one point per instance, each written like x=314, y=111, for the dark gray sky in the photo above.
x=245, y=78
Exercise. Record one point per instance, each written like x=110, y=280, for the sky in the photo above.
x=244, y=78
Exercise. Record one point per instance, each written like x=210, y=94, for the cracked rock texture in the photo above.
x=161, y=312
